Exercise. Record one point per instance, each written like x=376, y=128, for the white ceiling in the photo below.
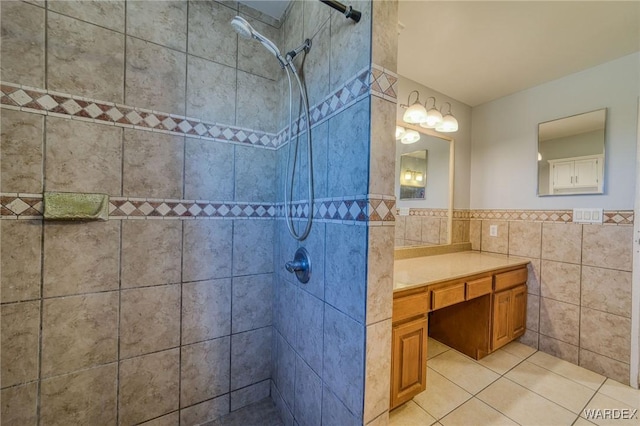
x=477, y=51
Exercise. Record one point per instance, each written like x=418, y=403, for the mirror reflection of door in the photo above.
x=571, y=155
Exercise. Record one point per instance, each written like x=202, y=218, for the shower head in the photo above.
x=245, y=29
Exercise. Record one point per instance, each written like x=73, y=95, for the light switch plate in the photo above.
x=587, y=215
x=403, y=211
x=493, y=230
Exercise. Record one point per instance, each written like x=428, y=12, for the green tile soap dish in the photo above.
x=75, y=206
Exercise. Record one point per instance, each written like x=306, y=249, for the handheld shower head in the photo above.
x=245, y=29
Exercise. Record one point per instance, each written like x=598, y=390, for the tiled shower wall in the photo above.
x=579, y=302
x=129, y=320
x=332, y=336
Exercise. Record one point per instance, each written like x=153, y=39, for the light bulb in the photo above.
x=419, y=177
x=449, y=124
x=399, y=132
x=415, y=114
x=407, y=175
x=539, y=157
x=410, y=136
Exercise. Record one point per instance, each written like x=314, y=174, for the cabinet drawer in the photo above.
x=410, y=306
x=480, y=287
x=510, y=279
x=447, y=296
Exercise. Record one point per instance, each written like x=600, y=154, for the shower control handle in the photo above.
x=300, y=265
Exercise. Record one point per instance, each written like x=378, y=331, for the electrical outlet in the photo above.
x=493, y=230
x=587, y=215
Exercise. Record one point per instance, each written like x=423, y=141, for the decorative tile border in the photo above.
x=368, y=210
x=373, y=80
x=47, y=102
x=371, y=210
x=611, y=217
x=384, y=83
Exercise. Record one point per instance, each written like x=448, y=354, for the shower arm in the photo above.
x=347, y=11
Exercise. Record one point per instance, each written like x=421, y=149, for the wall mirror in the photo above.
x=424, y=185
x=413, y=175
x=571, y=154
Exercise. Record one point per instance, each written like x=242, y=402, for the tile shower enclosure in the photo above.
x=186, y=313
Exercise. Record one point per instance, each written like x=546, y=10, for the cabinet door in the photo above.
x=586, y=173
x=518, y=311
x=408, y=361
x=501, y=328
x=563, y=174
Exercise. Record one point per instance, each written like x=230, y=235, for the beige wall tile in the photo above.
x=152, y=165
x=382, y=153
x=249, y=395
x=559, y=349
x=257, y=105
x=84, y=59
x=205, y=411
x=533, y=312
x=560, y=320
x=400, y=224
x=608, y=246
x=533, y=276
x=73, y=252
x=23, y=29
x=616, y=370
x=86, y=397
x=171, y=419
x=79, y=332
x=525, y=238
x=430, y=229
x=149, y=320
x=444, y=231
x=18, y=405
x=561, y=242
x=607, y=290
x=317, y=76
x=160, y=22
x=149, y=67
x=206, y=249
x=208, y=170
x=308, y=390
x=21, y=146
x=83, y=157
x=148, y=386
x=20, y=338
x=379, y=274
x=475, y=234
x=460, y=231
x=499, y=244
x=561, y=281
x=605, y=334
x=250, y=357
x=255, y=175
x=207, y=81
x=204, y=370
x=151, y=252
x=20, y=254
x=530, y=338
x=253, y=247
x=378, y=369
x=209, y=36
x=256, y=60
x=206, y=310
x=413, y=228
x=384, y=43
x=108, y=14
x=251, y=306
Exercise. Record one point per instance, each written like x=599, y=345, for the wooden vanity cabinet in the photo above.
x=509, y=315
x=409, y=346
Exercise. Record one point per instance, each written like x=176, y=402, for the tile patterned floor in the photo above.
x=515, y=385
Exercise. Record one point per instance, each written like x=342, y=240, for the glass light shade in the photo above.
x=410, y=136
x=407, y=175
x=415, y=114
x=539, y=157
x=399, y=132
x=449, y=124
x=419, y=177
x=434, y=118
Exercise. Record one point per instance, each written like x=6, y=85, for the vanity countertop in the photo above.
x=427, y=270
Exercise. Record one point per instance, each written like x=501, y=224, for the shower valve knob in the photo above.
x=300, y=265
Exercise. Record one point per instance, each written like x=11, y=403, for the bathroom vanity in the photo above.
x=474, y=302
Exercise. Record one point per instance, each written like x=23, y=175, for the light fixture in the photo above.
x=449, y=122
x=407, y=175
x=410, y=136
x=434, y=117
x=418, y=177
x=400, y=131
x=415, y=113
x=412, y=175
x=539, y=157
